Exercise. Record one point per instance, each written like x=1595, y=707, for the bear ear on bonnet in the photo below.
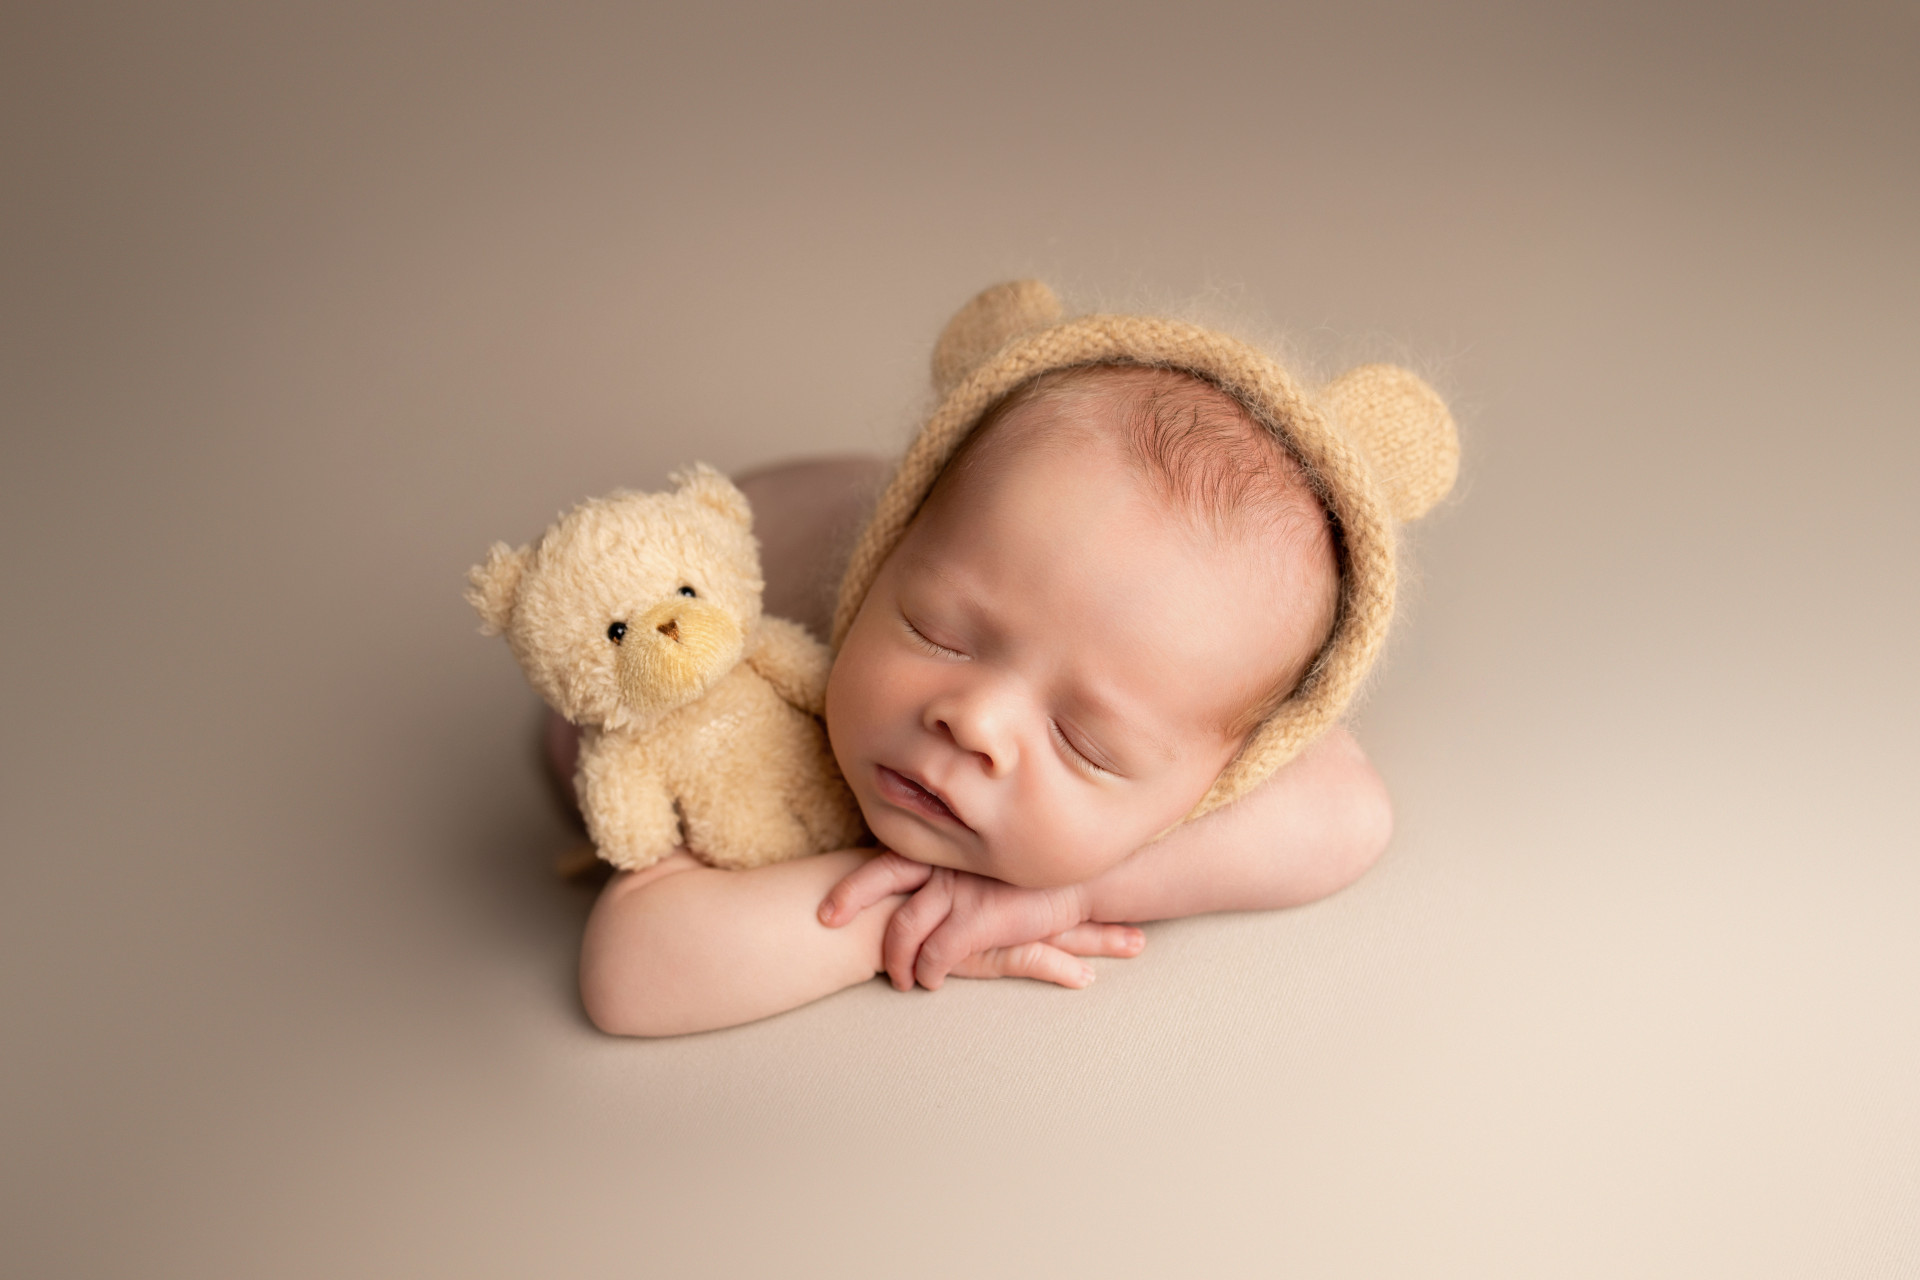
x=991, y=319
x=1404, y=426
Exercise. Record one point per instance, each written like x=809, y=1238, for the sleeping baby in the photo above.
x=1089, y=655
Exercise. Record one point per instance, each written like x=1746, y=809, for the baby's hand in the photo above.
x=976, y=927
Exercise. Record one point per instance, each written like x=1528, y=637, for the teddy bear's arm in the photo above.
x=792, y=661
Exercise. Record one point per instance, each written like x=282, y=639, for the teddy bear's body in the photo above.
x=637, y=616
x=684, y=779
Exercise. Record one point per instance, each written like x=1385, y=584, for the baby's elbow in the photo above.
x=630, y=1008
x=1360, y=826
x=618, y=991
x=608, y=1001
x=1371, y=822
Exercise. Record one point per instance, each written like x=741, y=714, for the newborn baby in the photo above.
x=1120, y=604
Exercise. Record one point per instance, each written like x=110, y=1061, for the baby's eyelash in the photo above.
x=1075, y=755
x=930, y=646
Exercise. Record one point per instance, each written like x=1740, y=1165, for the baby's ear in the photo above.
x=994, y=317
x=1406, y=430
x=705, y=485
x=493, y=587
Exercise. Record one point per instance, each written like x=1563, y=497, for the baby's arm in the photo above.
x=1309, y=831
x=684, y=947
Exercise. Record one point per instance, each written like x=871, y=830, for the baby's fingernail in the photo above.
x=826, y=914
x=1087, y=975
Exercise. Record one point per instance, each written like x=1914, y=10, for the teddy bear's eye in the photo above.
x=617, y=632
x=689, y=592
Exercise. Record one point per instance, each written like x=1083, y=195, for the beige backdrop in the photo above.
x=301, y=310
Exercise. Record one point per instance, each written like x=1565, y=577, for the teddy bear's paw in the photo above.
x=793, y=662
x=831, y=817
x=632, y=857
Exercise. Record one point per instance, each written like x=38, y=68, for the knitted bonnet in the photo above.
x=1378, y=443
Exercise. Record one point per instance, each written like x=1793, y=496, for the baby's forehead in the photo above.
x=1200, y=451
x=1113, y=402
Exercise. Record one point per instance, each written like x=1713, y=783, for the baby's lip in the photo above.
x=904, y=791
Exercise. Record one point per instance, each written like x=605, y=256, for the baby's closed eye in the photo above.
x=926, y=642
x=1082, y=758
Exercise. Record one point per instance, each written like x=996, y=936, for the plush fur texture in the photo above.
x=1378, y=444
x=637, y=616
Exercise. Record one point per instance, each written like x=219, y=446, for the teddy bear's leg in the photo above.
x=629, y=813
x=746, y=827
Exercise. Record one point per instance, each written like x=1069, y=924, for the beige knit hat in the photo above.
x=1378, y=441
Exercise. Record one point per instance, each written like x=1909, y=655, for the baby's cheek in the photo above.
x=859, y=710
x=841, y=712
x=850, y=686
x=1111, y=833
x=1053, y=846
x=833, y=710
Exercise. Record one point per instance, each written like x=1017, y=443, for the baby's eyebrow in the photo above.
x=956, y=588
x=919, y=561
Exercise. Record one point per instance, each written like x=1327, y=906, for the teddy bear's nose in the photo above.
x=670, y=629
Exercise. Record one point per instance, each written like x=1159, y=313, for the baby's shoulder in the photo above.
x=806, y=514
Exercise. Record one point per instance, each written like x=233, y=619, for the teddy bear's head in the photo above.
x=629, y=605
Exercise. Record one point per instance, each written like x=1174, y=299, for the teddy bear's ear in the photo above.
x=994, y=316
x=708, y=486
x=1406, y=430
x=494, y=586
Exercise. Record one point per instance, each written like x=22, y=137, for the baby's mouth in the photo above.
x=907, y=794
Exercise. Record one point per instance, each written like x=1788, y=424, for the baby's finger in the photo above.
x=1121, y=941
x=991, y=916
x=919, y=916
x=868, y=883
x=942, y=951
x=1036, y=960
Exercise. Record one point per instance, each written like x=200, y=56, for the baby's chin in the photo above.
x=1040, y=868
x=1013, y=862
x=911, y=839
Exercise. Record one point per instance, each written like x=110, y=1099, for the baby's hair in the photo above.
x=1204, y=453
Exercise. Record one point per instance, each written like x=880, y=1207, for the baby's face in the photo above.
x=1045, y=673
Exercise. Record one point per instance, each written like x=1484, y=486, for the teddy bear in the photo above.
x=637, y=617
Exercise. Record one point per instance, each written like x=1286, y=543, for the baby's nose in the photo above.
x=981, y=731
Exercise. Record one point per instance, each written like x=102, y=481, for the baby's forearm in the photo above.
x=1310, y=830
x=684, y=947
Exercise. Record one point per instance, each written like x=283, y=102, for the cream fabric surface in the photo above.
x=301, y=313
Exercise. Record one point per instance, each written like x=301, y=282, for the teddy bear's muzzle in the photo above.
x=674, y=652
